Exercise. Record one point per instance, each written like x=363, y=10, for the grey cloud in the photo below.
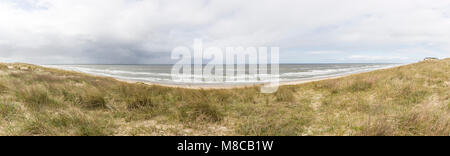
x=145, y=31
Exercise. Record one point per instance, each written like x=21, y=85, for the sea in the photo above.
x=162, y=73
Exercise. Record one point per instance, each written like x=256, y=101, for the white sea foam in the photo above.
x=161, y=73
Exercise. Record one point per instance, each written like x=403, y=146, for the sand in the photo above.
x=209, y=87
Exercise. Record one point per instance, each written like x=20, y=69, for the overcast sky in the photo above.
x=145, y=31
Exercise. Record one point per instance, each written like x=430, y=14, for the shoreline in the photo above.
x=237, y=86
x=216, y=87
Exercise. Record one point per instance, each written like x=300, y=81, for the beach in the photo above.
x=209, y=87
x=290, y=74
x=405, y=100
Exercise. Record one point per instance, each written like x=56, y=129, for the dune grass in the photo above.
x=407, y=100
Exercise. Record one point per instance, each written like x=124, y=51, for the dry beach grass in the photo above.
x=407, y=100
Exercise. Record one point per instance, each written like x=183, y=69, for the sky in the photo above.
x=146, y=31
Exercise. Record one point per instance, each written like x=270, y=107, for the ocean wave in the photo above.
x=287, y=74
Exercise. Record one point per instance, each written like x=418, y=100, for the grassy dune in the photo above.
x=408, y=100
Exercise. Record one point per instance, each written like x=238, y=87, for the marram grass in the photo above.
x=407, y=100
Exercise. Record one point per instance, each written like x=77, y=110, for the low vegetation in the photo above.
x=407, y=100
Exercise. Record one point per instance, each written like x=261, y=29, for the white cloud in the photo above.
x=144, y=31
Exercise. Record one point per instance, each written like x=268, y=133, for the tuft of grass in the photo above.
x=247, y=96
x=200, y=112
x=89, y=98
x=359, y=86
x=138, y=99
x=3, y=89
x=47, y=78
x=411, y=95
x=426, y=121
x=35, y=97
x=3, y=67
x=8, y=111
x=140, y=102
x=65, y=124
x=292, y=125
x=285, y=94
x=93, y=101
x=380, y=127
x=17, y=74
